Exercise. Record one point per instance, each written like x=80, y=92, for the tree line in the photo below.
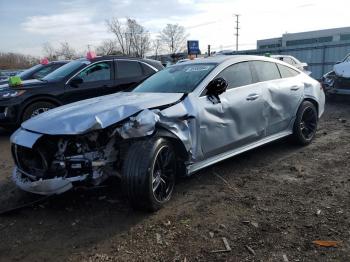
x=130, y=39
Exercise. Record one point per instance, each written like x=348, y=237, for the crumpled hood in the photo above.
x=342, y=69
x=96, y=113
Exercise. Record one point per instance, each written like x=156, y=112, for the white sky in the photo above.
x=82, y=22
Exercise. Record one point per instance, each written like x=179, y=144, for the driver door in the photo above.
x=96, y=80
x=237, y=119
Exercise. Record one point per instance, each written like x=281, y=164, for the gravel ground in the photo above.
x=268, y=204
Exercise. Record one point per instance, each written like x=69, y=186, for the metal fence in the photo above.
x=320, y=58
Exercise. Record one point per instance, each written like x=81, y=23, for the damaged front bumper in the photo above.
x=52, y=186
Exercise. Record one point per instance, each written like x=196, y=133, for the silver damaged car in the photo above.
x=180, y=120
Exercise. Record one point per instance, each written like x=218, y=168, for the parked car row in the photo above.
x=172, y=123
x=74, y=81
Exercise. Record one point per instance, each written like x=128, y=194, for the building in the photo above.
x=319, y=49
x=327, y=36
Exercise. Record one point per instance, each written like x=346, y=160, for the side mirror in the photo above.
x=217, y=86
x=76, y=81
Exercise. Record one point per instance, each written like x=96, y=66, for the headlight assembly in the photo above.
x=12, y=94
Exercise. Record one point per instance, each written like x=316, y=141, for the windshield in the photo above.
x=27, y=73
x=181, y=78
x=65, y=70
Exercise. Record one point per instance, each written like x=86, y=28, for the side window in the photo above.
x=266, y=71
x=288, y=60
x=237, y=75
x=287, y=71
x=97, y=72
x=126, y=69
x=147, y=70
x=44, y=71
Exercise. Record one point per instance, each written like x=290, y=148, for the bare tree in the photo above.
x=156, y=47
x=133, y=39
x=49, y=51
x=174, y=37
x=108, y=47
x=16, y=61
x=66, y=51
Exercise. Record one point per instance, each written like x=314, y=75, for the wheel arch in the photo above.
x=175, y=140
x=35, y=99
x=313, y=101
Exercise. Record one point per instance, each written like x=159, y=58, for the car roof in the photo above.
x=60, y=62
x=157, y=64
x=229, y=58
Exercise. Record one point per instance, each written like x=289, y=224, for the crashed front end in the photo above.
x=53, y=164
x=338, y=80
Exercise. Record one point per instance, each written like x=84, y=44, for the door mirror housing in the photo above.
x=76, y=81
x=217, y=86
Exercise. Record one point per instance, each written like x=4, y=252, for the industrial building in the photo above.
x=320, y=49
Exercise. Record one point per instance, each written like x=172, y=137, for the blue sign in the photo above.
x=193, y=47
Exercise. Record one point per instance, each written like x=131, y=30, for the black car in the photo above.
x=38, y=71
x=77, y=80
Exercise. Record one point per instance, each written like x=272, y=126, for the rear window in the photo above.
x=126, y=69
x=266, y=71
x=287, y=71
x=147, y=70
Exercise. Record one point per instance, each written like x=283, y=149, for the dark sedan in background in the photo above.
x=38, y=71
x=77, y=80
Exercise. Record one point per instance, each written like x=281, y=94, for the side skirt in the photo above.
x=212, y=160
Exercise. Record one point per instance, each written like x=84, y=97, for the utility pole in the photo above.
x=237, y=30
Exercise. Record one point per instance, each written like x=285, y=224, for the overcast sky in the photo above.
x=25, y=25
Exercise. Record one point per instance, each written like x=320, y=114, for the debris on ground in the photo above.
x=251, y=251
x=326, y=243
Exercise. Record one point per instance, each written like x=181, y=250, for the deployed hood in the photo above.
x=96, y=113
x=342, y=69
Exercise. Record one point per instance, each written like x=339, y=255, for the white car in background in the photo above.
x=292, y=61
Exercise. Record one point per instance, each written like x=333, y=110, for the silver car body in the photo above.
x=245, y=117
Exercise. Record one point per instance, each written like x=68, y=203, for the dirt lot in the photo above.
x=269, y=204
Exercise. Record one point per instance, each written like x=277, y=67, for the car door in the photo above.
x=236, y=120
x=281, y=95
x=129, y=74
x=95, y=80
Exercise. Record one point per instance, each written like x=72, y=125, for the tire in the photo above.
x=36, y=109
x=305, y=124
x=147, y=185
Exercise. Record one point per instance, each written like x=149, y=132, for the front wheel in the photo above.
x=148, y=174
x=305, y=124
x=36, y=109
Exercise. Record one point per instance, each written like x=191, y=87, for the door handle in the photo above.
x=295, y=88
x=252, y=97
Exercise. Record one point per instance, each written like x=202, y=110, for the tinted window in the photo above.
x=266, y=70
x=66, y=70
x=176, y=79
x=44, y=71
x=97, y=72
x=237, y=75
x=147, y=70
x=127, y=69
x=287, y=71
x=27, y=73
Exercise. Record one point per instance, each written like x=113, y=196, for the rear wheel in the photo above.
x=36, y=109
x=305, y=124
x=149, y=173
